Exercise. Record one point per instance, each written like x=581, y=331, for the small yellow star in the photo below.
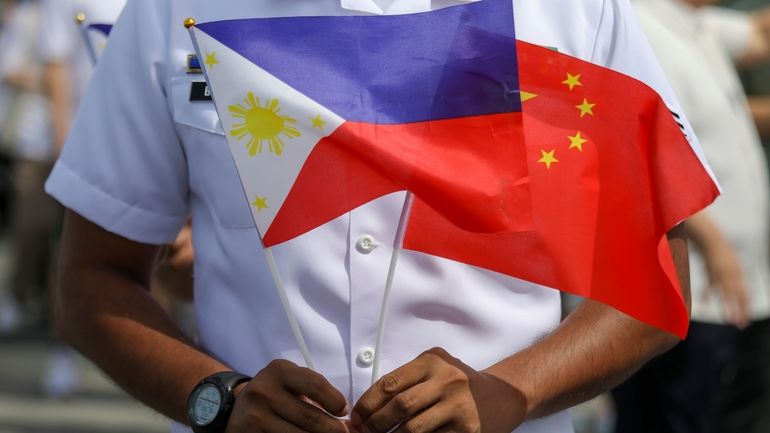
x=586, y=108
x=318, y=122
x=260, y=203
x=526, y=96
x=548, y=158
x=577, y=141
x=572, y=81
x=211, y=60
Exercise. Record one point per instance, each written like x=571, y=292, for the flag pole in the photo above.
x=80, y=19
x=295, y=329
x=397, y=247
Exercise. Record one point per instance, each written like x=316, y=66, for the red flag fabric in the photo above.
x=611, y=172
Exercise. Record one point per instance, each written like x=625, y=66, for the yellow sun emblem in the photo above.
x=262, y=124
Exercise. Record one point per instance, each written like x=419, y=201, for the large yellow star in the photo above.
x=548, y=158
x=572, y=81
x=211, y=60
x=577, y=141
x=318, y=122
x=260, y=203
x=586, y=108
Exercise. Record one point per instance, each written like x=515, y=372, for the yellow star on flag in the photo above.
x=577, y=141
x=318, y=122
x=260, y=203
x=526, y=96
x=548, y=158
x=211, y=60
x=586, y=108
x=572, y=81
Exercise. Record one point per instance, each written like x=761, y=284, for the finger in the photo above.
x=388, y=386
x=181, y=258
x=403, y=406
x=729, y=302
x=306, y=416
x=273, y=424
x=438, y=417
x=305, y=382
x=735, y=300
x=741, y=303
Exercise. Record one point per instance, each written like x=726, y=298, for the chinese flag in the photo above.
x=611, y=172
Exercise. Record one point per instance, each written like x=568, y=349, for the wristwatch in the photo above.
x=211, y=401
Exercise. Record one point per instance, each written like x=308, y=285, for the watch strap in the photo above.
x=226, y=382
x=229, y=379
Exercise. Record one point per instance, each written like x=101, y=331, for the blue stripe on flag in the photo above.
x=103, y=28
x=390, y=69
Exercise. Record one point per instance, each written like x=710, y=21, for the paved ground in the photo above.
x=96, y=406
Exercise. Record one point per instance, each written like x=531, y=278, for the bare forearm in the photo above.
x=702, y=231
x=107, y=313
x=760, y=111
x=58, y=82
x=594, y=349
x=757, y=48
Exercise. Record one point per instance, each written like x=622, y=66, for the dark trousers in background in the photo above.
x=675, y=392
x=35, y=226
x=744, y=404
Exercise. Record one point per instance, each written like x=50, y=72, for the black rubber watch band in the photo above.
x=225, y=383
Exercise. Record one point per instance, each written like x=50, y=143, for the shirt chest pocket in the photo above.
x=212, y=173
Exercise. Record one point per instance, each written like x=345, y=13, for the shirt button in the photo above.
x=366, y=244
x=366, y=356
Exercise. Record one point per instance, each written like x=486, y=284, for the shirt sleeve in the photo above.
x=731, y=27
x=123, y=166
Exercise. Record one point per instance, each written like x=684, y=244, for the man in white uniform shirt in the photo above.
x=698, y=48
x=64, y=49
x=142, y=156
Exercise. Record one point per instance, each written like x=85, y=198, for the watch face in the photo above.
x=206, y=404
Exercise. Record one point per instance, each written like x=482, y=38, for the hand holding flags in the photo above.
x=324, y=114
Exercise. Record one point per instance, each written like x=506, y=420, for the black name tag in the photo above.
x=199, y=91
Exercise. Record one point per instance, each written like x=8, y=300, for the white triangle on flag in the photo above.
x=257, y=111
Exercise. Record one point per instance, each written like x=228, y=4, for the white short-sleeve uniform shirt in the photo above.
x=696, y=48
x=64, y=41
x=142, y=156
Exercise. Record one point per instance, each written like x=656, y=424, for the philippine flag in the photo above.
x=324, y=114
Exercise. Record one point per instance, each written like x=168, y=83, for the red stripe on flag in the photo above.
x=472, y=170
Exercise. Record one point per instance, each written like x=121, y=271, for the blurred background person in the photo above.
x=43, y=58
x=748, y=374
x=35, y=216
x=698, y=48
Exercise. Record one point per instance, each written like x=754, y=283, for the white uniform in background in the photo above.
x=696, y=49
x=64, y=41
x=142, y=156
